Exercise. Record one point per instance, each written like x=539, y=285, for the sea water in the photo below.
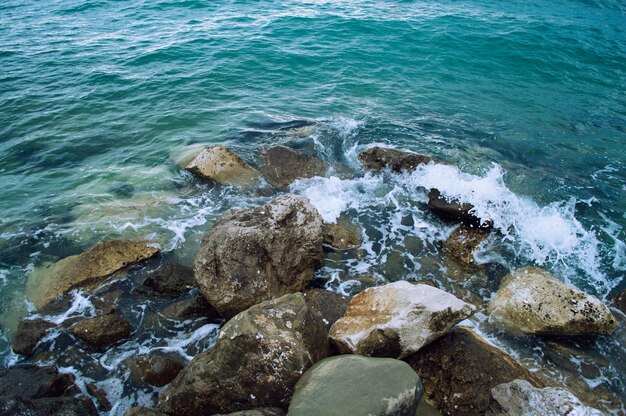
x=525, y=101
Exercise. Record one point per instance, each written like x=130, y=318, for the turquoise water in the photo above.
x=527, y=98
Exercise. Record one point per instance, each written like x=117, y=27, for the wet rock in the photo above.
x=193, y=306
x=397, y=319
x=519, y=397
x=29, y=333
x=462, y=243
x=532, y=301
x=453, y=210
x=252, y=255
x=142, y=411
x=459, y=370
x=33, y=382
x=264, y=411
x=101, y=397
x=619, y=301
x=356, y=385
x=172, y=279
x=86, y=270
x=155, y=370
x=107, y=302
x=102, y=331
x=49, y=406
x=379, y=158
x=221, y=165
x=330, y=305
x=343, y=235
x=259, y=356
x=281, y=166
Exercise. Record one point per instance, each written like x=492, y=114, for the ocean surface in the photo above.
x=526, y=100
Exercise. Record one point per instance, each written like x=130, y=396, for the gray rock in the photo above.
x=532, y=301
x=48, y=406
x=520, y=398
x=155, y=370
x=331, y=306
x=102, y=331
x=221, y=165
x=352, y=385
x=172, y=279
x=379, y=158
x=397, y=319
x=142, y=411
x=259, y=356
x=281, y=166
x=194, y=306
x=29, y=333
x=253, y=255
x=33, y=382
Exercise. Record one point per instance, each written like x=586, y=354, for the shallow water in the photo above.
x=98, y=99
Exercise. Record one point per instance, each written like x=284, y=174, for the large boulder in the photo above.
x=281, y=166
x=86, y=270
x=520, y=398
x=253, y=255
x=459, y=370
x=450, y=209
x=29, y=333
x=397, y=319
x=221, y=165
x=102, y=331
x=259, y=356
x=378, y=158
x=355, y=385
x=48, y=406
x=331, y=306
x=532, y=301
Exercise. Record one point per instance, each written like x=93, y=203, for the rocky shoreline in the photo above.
x=285, y=346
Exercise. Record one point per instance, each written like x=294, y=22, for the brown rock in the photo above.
x=29, y=333
x=86, y=270
x=379, y=158
x=459, y=370
x=102, y=331
x=193, y=306
x=142, y=411
x=47, y=406
x=453, y=210
x=32, y=382
x=343, y=235
x=619, y=301
x=221, y=165
x=155, y=370
x=101, y=397
x=252, y=255
x=330, y=305
x=281, y=166
x=461, y=244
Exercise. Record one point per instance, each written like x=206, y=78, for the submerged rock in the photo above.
x=379, y=158
x=155, y=370
x=619, y=301
x=221, y=165
x=49, y=406
x=459, y=370
x=520, y=398
x=101, y=397
x=259, y=356
x=397, y=319
x=33, y=382
x=172, y=279
x=29, y=333
x=86, y=270
x=193, y=306
x=355, y=385
x=453, y=210
x=343, y=235
x=533, y=301
x=330, y=305
x=263, y=411
x=102, y=331
x=462, y=243
x=252, y=255
x=281, y=166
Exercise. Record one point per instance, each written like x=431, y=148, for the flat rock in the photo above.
x=48, y=406
x=33, y=382
x=171, y=280
x=520, y=398
x=253, y=255
x=281, y=166
x=344, y=235
x=453, y=210
x=397, y=319
x=259, y=356
x=86, y=270
x=330, y=305
x=219, y=164
x=354, y=385
x=102, y=331
x=29, y=333
x=155, y=370
x=379, y=158
x=459, y=370
x=533, y=301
